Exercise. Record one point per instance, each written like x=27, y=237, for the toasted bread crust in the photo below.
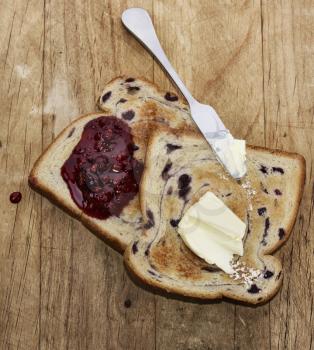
x=173, y=291
x=301, y=183
x=158, y=91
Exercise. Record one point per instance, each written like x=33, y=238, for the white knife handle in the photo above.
x=139, y=23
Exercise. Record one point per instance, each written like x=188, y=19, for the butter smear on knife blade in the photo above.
x=213, y=232
x=231, y=153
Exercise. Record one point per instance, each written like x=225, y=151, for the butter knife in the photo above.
x=230, y=152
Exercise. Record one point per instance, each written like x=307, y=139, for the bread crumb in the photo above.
x=244, y=272
x=250, y=193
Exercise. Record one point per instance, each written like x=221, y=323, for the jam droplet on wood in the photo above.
x=101, y=173
x=15, y=197
x=127, y=303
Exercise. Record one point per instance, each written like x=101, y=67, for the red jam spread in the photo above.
x=15, y=197
x=101, y=173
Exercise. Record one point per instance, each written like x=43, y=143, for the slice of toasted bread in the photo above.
x=143, y=107
x=267, y=199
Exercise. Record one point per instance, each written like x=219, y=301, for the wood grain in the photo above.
x=20, y=144
x=289, y=123
x=61, y=287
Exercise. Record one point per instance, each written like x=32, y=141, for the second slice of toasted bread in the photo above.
x=267, y=199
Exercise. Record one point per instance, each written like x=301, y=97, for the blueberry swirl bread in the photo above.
x=179, y=168
x=141, y=107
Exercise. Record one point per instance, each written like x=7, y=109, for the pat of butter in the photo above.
x=213, y=232
x=232, y=152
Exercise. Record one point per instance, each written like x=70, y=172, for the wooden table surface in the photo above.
x=61, y=287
